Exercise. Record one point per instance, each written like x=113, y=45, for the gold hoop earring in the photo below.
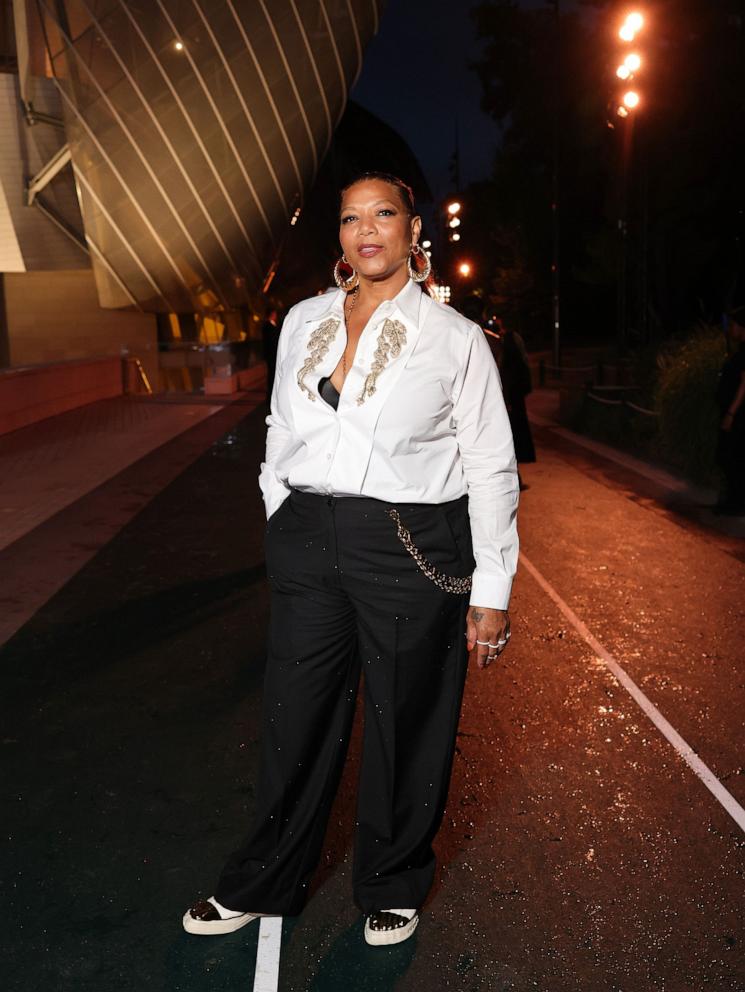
x=346, y=284
x=414, y=273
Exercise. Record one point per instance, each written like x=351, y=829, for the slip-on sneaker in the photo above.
x=390, y=926
x=206, y=917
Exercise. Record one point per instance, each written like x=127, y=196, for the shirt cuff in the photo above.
x=274, y=499
x=490, y=590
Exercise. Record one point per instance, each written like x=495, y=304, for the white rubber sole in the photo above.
x=381, y=937
x=204, y=928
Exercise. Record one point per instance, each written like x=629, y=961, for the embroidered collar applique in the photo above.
x=318, y=344
x=390, y=341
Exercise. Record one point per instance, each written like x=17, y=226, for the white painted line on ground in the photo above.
x=685, y=751
x=266, y=978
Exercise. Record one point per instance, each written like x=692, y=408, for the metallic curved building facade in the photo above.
x=195, y=128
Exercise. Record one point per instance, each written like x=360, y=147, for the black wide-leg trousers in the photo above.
x=346, y=597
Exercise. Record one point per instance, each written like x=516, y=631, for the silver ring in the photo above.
x=491, y=657
x=485, y=643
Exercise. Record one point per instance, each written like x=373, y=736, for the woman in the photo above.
x=514, y=371
x=388, y=447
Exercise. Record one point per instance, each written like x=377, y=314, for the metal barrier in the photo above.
x=142, y=375
x=627, y=404
x=599, y=371
x=187, y=365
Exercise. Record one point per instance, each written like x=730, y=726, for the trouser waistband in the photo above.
x=365, y=503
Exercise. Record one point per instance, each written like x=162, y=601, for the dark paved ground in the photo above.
x=579, y=853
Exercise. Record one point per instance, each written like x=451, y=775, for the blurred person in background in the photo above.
x=511, y=356
x=730, y=397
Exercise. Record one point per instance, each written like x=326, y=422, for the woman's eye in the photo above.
x=385, y=210
x=345, y=219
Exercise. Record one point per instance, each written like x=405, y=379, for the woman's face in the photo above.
x=376, y=232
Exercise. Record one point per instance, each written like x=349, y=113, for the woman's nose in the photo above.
x=367, y=225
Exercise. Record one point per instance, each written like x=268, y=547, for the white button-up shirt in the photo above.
x=434, y=428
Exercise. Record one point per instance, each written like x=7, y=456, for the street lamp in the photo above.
x=627, y=104
x=631, y=26
x=636, y=21
x=631, y=99
x=464, y=269
x=452, y=220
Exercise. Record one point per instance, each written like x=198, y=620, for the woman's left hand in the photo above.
x=487, y=633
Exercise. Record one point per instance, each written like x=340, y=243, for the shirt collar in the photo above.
x=407, y=301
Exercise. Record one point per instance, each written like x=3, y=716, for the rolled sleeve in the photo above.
x=487, y=452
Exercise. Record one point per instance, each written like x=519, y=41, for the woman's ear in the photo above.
x=416, y=229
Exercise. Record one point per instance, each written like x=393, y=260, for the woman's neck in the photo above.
x=373, y=292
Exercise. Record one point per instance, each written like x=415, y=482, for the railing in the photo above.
x=622, y=401
x=237, y=354
x=134, y=370
x=600, y=372
x=188, y=365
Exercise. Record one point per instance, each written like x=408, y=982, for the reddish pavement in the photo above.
x=579, y=853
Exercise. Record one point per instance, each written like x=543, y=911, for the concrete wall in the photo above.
x=55, y=316
x=31, y=394
x=23, y=151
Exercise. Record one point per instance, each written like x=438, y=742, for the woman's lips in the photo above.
x=367, y=251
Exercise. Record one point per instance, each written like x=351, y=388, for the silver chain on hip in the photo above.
x=449, y=583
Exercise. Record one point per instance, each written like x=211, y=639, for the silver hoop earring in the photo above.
x=414, y=273
x=346, y=284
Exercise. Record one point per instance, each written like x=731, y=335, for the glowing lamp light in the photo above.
x=179, y=46
x=631, y=27
x=635, y=21
x=632, y=62
x=631, y=99
x=623, y=71
x=455, y=237
x=464, y=268
x=453, y=207
x=455, y=222
x=426, y=244
x=622, y=112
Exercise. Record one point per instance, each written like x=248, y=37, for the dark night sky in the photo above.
x=416, y=78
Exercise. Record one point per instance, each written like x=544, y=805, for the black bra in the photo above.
x=328, y=391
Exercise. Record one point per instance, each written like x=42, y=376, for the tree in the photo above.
x=688, y=160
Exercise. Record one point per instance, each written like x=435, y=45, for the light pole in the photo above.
x=627, y=106
x=555, y=225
